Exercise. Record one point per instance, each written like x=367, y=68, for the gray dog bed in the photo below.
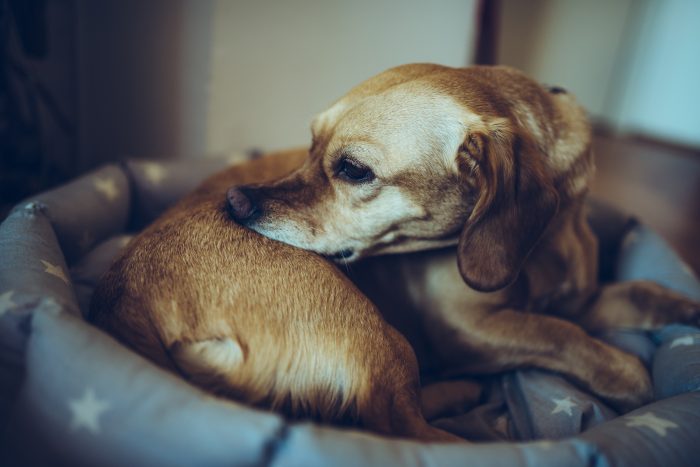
x=71, y=395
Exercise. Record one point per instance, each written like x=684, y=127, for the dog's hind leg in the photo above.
x=391, y=406
x=396, y=412
x=509, y=339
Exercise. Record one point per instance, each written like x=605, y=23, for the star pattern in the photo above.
x=682, y=341
x=648, y=420
x=86, y=411
x=563, y=405
x=6, y=303
x=107, y=187
x=155, y=173
x=55, y=270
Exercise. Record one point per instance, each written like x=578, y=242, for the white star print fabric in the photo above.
x=87, y=410
x=31, y=264
x=678, y=343
x=127, y=412
x=658, y=425
x=564, y=405
x=70, y=395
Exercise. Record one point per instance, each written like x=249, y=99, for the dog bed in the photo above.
x=71, y=395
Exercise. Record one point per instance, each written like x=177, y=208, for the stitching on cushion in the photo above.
x=274, y=445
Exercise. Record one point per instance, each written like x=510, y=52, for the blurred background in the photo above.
x=83, y=82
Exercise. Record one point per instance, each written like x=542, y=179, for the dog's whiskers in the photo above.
x=347, y=266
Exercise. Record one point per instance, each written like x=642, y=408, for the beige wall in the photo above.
x=173, y=78
x=571, y=43
x=634, y=64
x=179, y=78
x=275, y=64
x=659, y=93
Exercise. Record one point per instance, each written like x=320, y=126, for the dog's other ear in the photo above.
x=517, y=199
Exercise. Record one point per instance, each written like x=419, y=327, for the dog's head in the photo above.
x=423, y=156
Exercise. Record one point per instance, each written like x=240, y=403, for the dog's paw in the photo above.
x=679, y=309
x=625, y=383
x=663, y=305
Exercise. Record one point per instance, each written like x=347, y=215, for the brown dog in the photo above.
x=423, y=156
x=258, y=320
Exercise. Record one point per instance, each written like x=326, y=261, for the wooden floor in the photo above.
x=657, y=183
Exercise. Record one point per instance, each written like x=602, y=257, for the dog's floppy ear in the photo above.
x=516, y=201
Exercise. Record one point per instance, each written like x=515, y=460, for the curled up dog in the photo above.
x=424, y=156
x=258, y=320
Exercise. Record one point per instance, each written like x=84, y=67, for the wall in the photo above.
x=634, y=64
x=571, y=43
x=660, y=91
x=173, y=78
x=276, y=64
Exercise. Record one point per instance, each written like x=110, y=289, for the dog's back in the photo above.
x=255, y=319
x=239, y=320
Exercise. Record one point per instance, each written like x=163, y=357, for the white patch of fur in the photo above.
x=347, y=228
x=214, y=357
x=327, y=116
x=579, y=184
x=529, y=121
x=389, y=120
x=302, y=377
x=285, y=231
x=574, y=136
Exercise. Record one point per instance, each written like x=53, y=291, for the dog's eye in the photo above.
x=354, y=172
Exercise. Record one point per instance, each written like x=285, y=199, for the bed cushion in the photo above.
x=72, y=395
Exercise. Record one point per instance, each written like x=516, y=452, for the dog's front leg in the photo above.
x=509, y=339
x=639, y=305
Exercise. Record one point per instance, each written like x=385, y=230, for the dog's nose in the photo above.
x=241, y=205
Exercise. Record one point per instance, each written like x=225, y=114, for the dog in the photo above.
x=424, y=156
x=257, y=320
